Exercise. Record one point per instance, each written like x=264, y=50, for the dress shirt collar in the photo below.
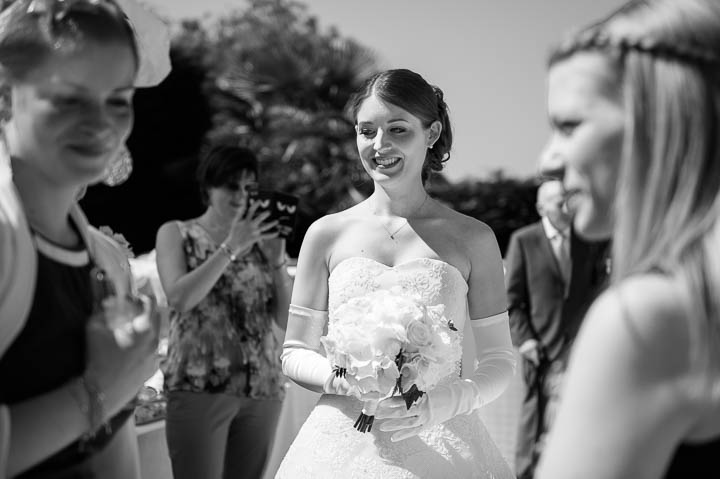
x=551, y=232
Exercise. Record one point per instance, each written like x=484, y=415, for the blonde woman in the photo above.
x=634, y=102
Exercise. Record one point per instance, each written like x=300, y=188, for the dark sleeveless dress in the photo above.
x=696, y=460
x=50, y=351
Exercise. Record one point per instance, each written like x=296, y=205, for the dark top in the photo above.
x=695, y=460
x=50, y=351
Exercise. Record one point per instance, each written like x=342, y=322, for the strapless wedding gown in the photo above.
x=328, y=446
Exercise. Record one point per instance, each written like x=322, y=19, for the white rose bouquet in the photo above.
x=387, y=343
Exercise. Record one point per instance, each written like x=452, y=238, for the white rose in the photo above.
x=418, y=334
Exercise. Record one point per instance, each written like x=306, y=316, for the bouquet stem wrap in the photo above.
x=367, y=416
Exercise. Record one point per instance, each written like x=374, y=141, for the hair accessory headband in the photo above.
x=152, y=36
x=599, y=40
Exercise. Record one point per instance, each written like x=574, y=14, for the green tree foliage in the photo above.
x=171, y=123
x=265, y=77
x=282, y=86
x=269, y=78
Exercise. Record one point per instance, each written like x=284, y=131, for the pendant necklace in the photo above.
x=392, y=234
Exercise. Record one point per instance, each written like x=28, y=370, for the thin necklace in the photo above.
x=392, y=234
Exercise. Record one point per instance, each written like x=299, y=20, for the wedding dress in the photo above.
x=328, y=446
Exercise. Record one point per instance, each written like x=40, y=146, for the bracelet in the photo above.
x=226, y=249
x=82, y=398
x=91, y=402
x=97, y=403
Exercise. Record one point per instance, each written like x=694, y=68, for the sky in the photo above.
x=488, y=57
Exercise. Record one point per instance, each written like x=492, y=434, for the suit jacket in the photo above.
x=538, y=306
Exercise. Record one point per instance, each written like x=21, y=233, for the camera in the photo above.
x=282, y=208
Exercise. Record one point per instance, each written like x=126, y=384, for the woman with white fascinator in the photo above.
x=76, y=342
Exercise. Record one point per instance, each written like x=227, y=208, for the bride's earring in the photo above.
x=119, y=169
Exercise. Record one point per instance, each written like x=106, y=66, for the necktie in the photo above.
x=563, y=257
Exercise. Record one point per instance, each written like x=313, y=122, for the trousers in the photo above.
x=219, y=436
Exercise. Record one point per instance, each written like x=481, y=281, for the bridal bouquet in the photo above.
x=387, y=343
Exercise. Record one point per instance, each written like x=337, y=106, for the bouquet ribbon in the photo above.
x=365, y=421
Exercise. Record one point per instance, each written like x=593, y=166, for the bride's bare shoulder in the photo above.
x=326, y=229
x=465, y=227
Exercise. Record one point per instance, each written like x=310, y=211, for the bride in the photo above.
x=403, y=241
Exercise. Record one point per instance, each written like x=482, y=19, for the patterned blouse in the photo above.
x=225, y=344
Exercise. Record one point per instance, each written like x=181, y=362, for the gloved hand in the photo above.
x=443, y=402
x=301, y=358
x=496, y=366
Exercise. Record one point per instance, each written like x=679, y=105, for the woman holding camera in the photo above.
x=225, y=279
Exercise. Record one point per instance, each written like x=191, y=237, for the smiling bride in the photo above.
x=444, y=271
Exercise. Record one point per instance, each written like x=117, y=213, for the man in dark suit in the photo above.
x=552, y=277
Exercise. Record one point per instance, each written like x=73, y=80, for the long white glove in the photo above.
x=301, y=358
x=496, y=367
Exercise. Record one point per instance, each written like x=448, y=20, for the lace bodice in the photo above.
x=435, y=281
x=329, y=447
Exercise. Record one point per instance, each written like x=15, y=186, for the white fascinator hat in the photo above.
x=152, y=37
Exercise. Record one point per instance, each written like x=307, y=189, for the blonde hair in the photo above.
x=666, y=54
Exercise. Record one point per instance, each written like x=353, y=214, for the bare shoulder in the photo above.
x=169, y=237
x=469, y=229
x=168, y=230
x=311, y=277
x=648, y=315
x=477, y=239
x=653, y=304
x=323, y=231
x=320, y=238
x=478, y=255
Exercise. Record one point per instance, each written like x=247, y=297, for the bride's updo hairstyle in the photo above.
x=31, y=31
x=664, y=58
x=409, y=91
